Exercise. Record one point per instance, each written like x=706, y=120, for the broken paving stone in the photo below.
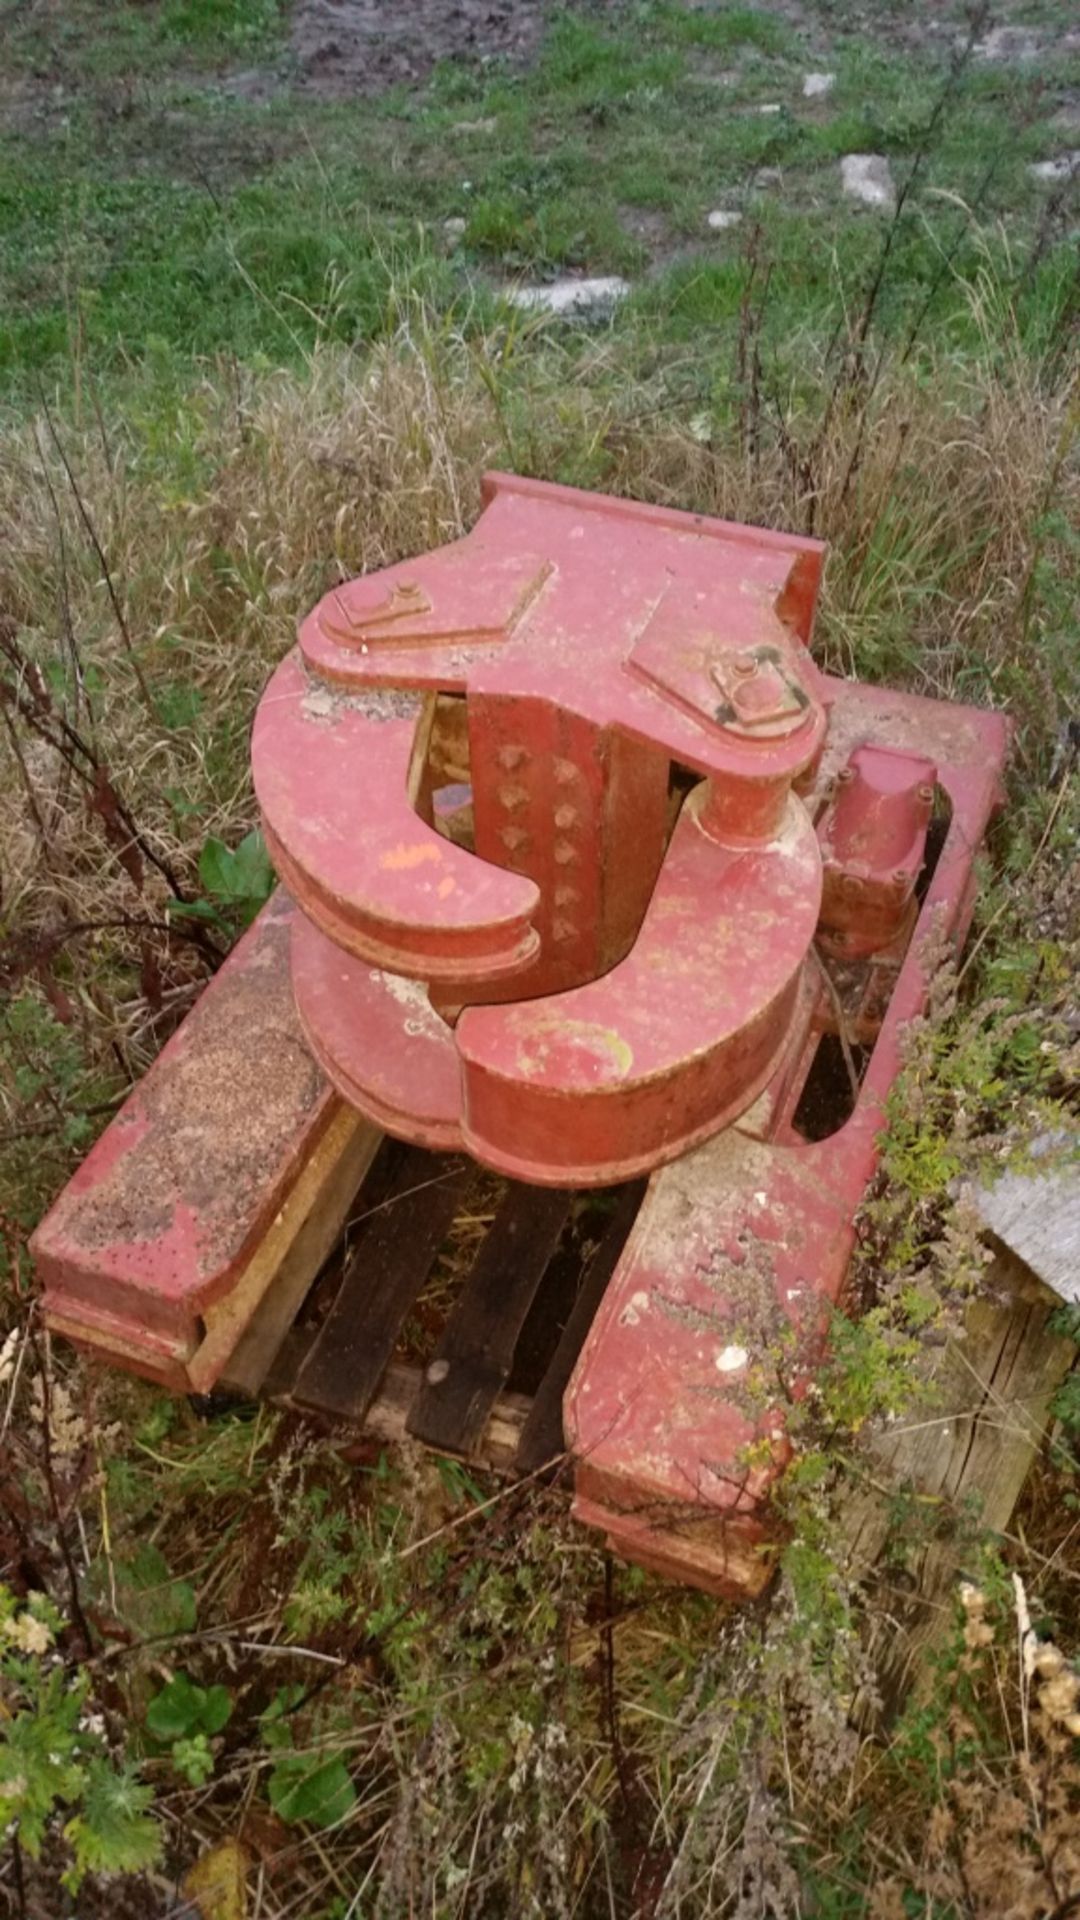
x=866, y=177
x=721, y=218
x=573, y=297
x=816, y=85
x=1008, y=43
x=1052, y=171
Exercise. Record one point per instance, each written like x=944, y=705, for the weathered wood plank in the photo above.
x=1037, y=1214
x=497, y=1443
x=955, y=1467
x=473, y=1358
x=542, y=1439
x=393, y=1255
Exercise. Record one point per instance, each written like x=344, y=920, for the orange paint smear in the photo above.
x=402, y=857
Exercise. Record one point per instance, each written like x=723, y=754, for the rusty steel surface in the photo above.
x=592, y=865
x=159, y=1220
x=595, y=985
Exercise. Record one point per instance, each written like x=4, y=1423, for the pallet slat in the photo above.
x=474, y=1356
x=393, y=1255
x=542, y=1439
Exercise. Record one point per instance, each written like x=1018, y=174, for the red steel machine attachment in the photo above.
x=595, y=876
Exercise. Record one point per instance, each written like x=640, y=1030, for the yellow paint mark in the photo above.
x=606, y=1048
x=400, y=858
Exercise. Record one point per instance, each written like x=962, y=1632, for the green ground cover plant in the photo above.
x=244, y=359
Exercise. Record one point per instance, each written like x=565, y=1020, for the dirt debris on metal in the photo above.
x=221, y=1109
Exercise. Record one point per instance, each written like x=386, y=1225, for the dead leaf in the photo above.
x=218, y=1882
x=105, y=802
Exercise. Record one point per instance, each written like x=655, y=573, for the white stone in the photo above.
x=1051, y=171
x=866, y=177
x=570, y=296
x=772, y=106
x=721, y=218
x=475, y=126
x=816, y=85
x=454, y=228
x=732, y=1359
x=769, y=177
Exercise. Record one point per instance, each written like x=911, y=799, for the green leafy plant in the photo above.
x=237, y=882
x=54, y=1756
x=306, y=1787
x=150, y=1601
x=186, y=1717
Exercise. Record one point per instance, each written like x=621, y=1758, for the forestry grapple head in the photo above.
x=593, y=875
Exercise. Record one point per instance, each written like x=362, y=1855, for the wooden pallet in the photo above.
x=491, y=1388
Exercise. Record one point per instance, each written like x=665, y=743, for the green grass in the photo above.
x=162, y=212
x=109, y=39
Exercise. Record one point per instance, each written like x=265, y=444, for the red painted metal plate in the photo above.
x=379, y=1039
x=331, y=775
x=597, y=1084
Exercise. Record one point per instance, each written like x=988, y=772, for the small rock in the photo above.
x=1051, y=171
x=816, y=85
x=771, y=106
x=1066, y=119
x=732, y=1360
x=454, y=230
x=571, y=296
x=1008, y=43
x=769, y=177
x=866, y=177
x=720, y=219
x=475, y=126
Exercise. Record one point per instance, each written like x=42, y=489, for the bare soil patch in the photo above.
x=345, y=47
